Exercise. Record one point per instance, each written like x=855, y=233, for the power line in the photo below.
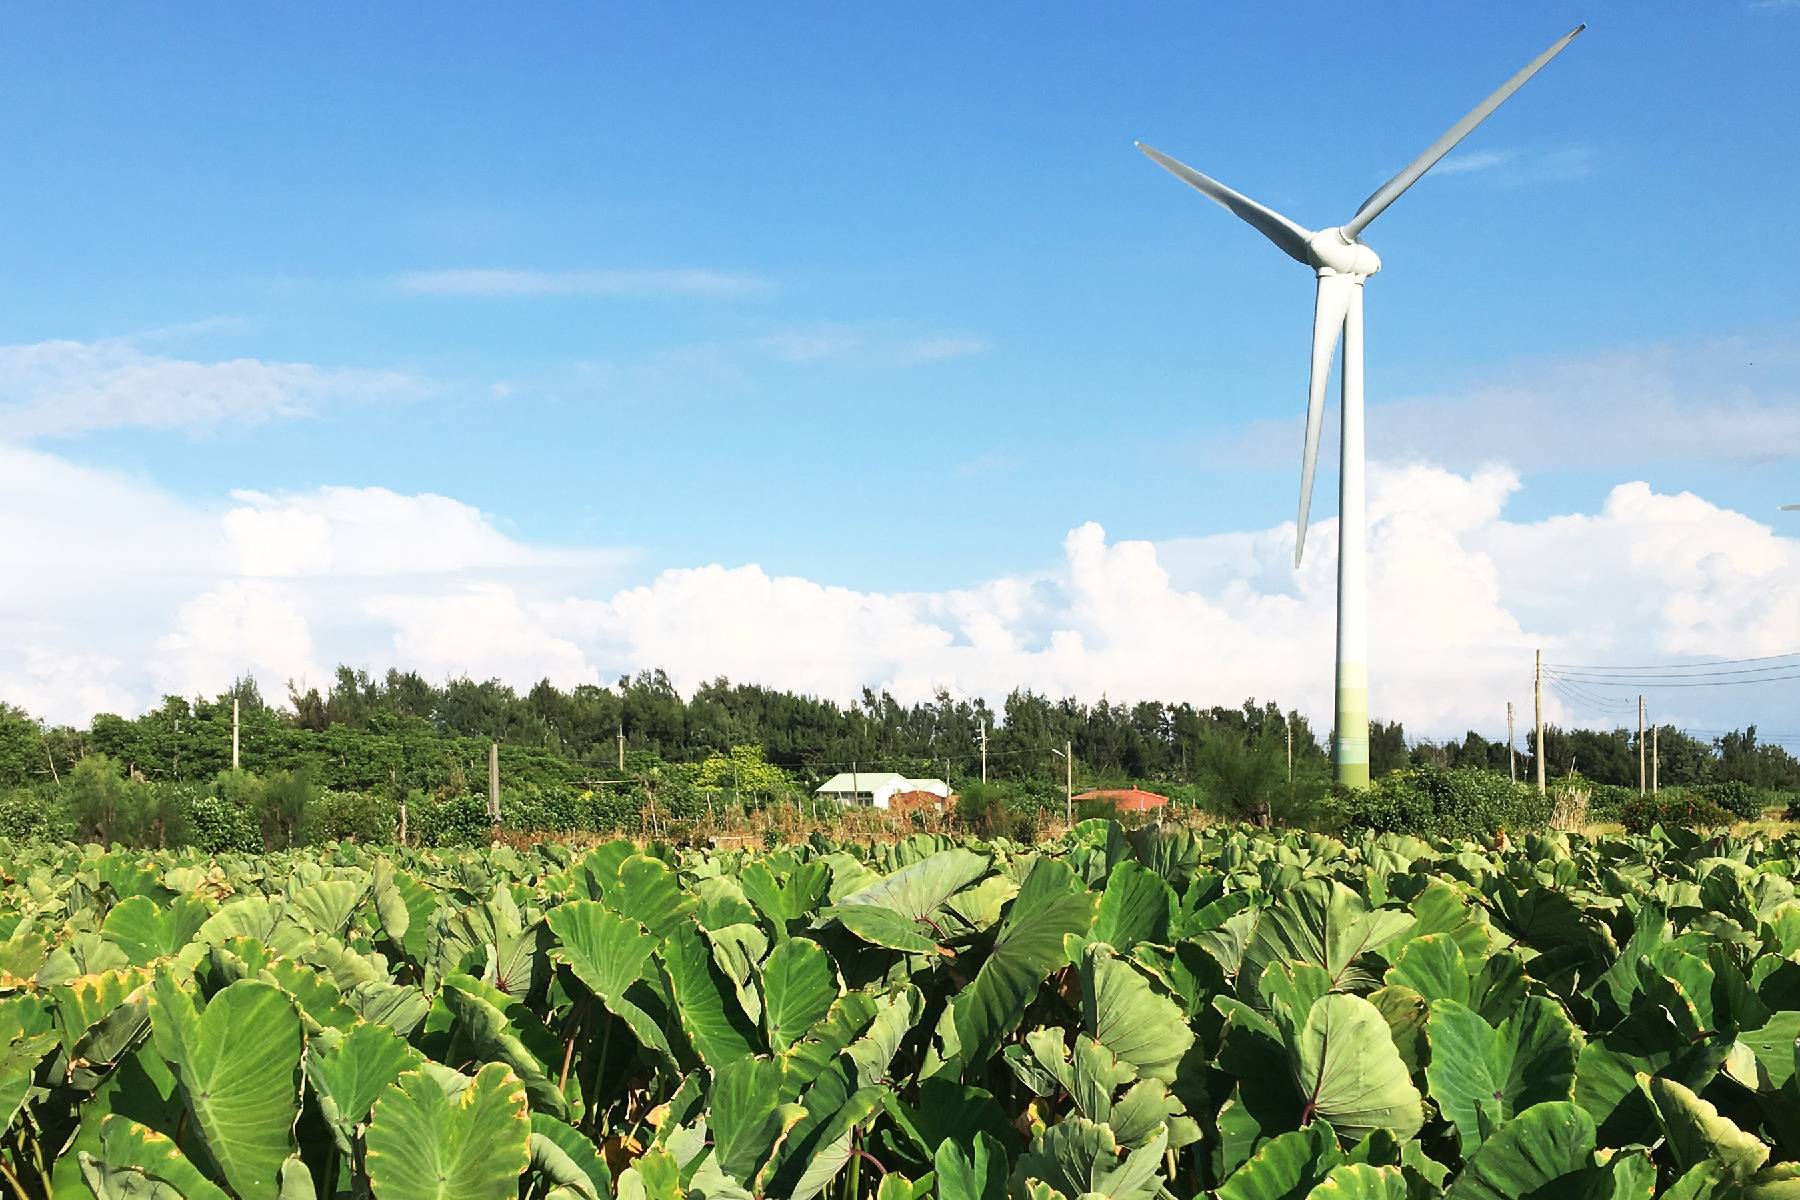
x=1715, y=662
x=1601, y=676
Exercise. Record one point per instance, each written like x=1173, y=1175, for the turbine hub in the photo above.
x=1332, y=250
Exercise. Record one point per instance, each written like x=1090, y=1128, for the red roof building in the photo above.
x=1127, y=799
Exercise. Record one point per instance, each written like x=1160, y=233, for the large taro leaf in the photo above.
x=1361, y=1181
x=609, y=953
x=747, y=1122
x=1137, y=906
x=1323, y=922
x=1481, y=1076
x=1122, y=1012
x=27, y=1034
x=497, y=1028
x=1698, y=1133
x=1433, y=966
x=705, y=1000
x=917, y=892
x=1051, y=905
x=1646, y=1042
x=784, y=890
x=1288, y=1165
x=799, y=985
x=1077, y=1157
x=239, y=1066
x=1348, y=1072
x=424, y=1145
x=135, y=1161
x=979, y=1173
x=566, y=1159
x=147, y=931
x=1527, y=1156
x=1766, y=1062
x=349, y=1076
x=142, y=1088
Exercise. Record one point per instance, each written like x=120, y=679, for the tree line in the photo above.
x=399, y=732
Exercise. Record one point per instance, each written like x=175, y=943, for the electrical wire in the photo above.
x=1716, y=662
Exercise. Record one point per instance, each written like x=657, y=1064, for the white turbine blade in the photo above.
x=1390, y=191
x=1329, y=307
x=1287, y=236
x=1790, y=508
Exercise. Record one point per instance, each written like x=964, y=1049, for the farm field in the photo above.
x=1121, y=1013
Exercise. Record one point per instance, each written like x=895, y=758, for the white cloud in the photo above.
x=936, y=349
x=1471, y=161
x=175, y=596
x=1718, y=400
x=485, y=281
x=1516, y=168
x=62, y=388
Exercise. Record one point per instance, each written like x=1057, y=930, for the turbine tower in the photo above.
x=1343, y=264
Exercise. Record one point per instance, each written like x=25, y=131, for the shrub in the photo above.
x=35, y=814
x=352, y=816
x=217, y=825
x=1736, y=797
x=1673, y=810
x=100, y=801
x=1248, y=780
x=1443, y=802
x=281, y=808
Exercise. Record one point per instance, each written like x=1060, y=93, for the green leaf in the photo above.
x=1124, y=1013
x=422, y=1145
x=146, y=931
x=884, y=927
x=1361, y=1181
x=1481, y=1076
x=135, y=1161
x=1051, y=905
x=349, y=1076
x=1288, y=1165
x=799, y=986
x=1348, y=1071
x=1320, y=921
x=1136, y=907
x=501, y=1029
x=1078, y=1158
x=918, y=891
x=1527, y=1154
x=239, y=1067
x=606, y=951
x=705, y=1000
x=747, y=1123
x=979, y=1174
x=1433, y=966
x=1697, y=1132
x=567, y=1159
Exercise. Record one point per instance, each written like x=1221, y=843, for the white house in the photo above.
x=873, y=789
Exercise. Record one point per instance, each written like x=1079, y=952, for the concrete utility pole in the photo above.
x=621, y=745
x=1641, y=785
x=855, y=791
x=1068, y=781
x=494, y=782
x=984, y=752
x=1512, y=762
x=1537, y=693
x=1653, y=757
x=234, y=733
x=1290, y=741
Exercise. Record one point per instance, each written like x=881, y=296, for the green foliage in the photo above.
x=1230, y=1012
x=1673, y=810
x=1248, y=779
x=1455, y=802
x=1736, y=797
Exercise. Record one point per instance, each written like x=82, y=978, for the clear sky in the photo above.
x=879, y=298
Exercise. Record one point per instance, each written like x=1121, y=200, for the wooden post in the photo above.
x=1537, y=694
x=494, y=782
x=1653, y=758
x=1512, y=762
x=1641, y=776
x=234, y=733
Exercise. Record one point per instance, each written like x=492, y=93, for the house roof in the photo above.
x=1128, y=799
x=874, y=781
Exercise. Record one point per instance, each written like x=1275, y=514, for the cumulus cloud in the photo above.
x=1460, y=596
x=64, y=388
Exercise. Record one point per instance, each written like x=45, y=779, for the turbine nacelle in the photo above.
x=1336, y=251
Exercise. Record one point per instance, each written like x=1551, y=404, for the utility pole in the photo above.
x=234, y=733
x=1537, y=694
x=984, y=751
x=1654, y=729
x=1641, y=743
x=1068, y=781
x=494, y=783
x=1512, y=762
x=855, y=790
x=621, y=744
x=1290, y=743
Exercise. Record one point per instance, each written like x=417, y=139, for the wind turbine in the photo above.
x=1343, y=264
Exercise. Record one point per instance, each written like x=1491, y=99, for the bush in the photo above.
x=217, y=825
x=352, y=816
x=35, y=814
x=1736, y=797
x=1673, y=810
x=1443, y=802
x=1247, y=780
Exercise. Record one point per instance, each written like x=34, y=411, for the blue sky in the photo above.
x=882, y=296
